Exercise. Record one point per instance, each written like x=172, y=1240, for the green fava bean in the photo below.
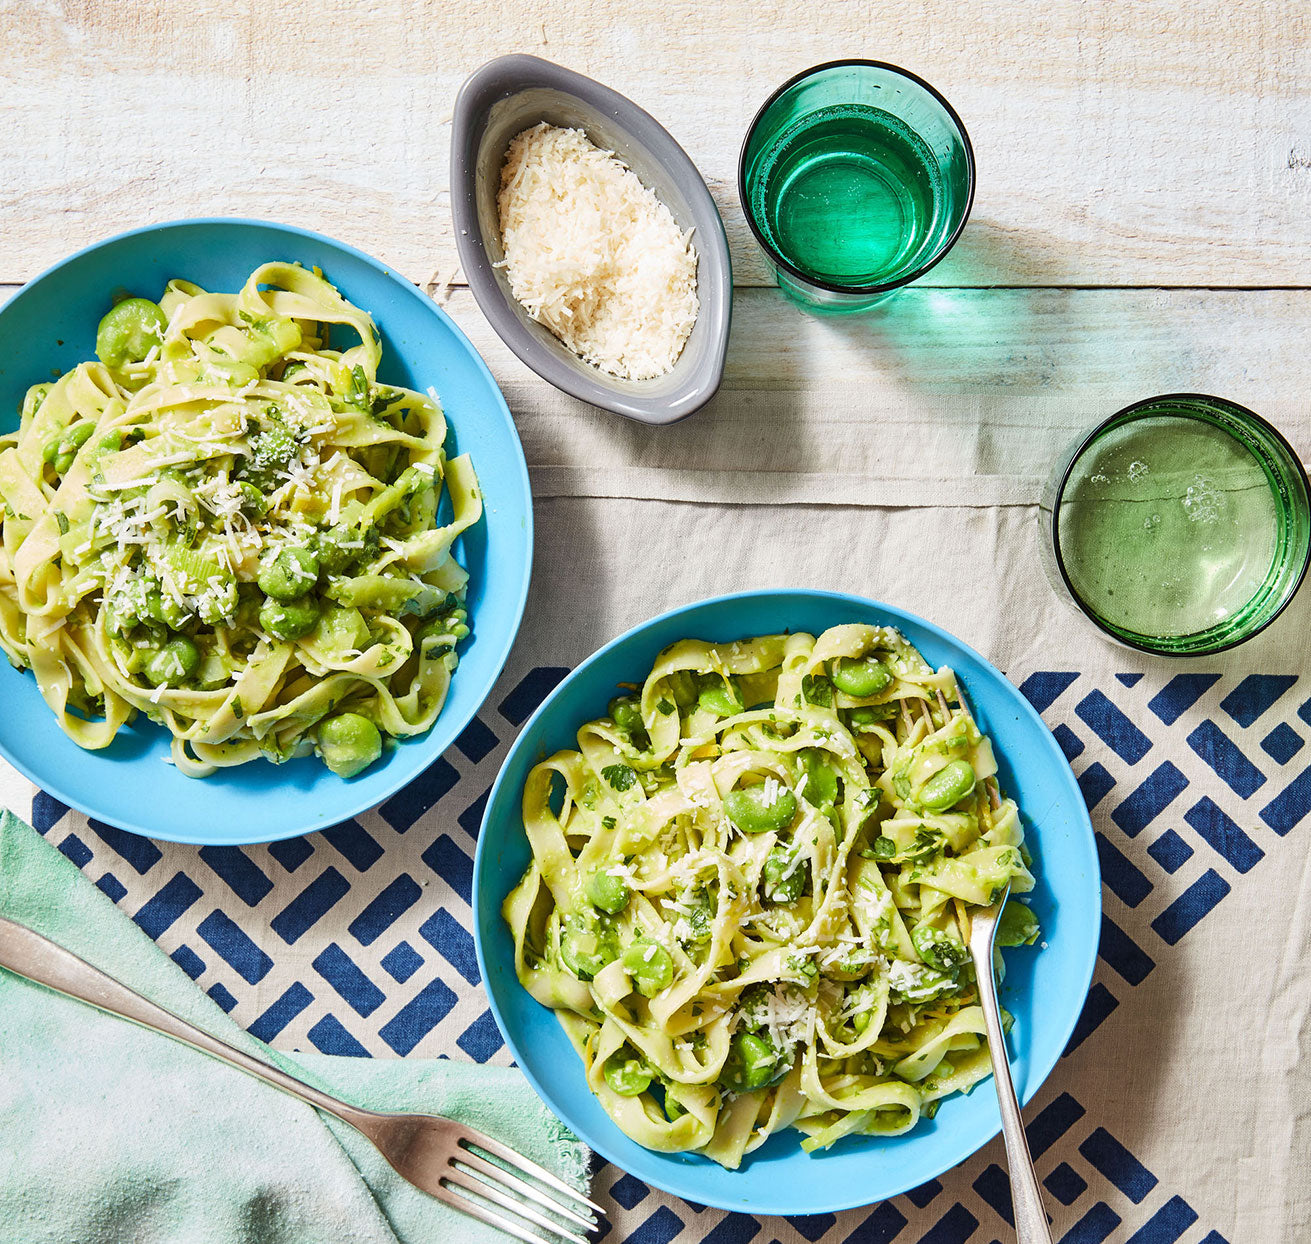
x=608, y=892
x=626, y=713
x=585, y=948
x=720, y=697
x=862, y=720
x=748, y=810
x=128, y=331
x=938, y=949
x=162, y=607
x=781, y=881
x=860, y=1021
x=859, y=676
x=175, y=662
x=947, y=786
x=683, y=687
x=251, y=499
x=626, y=1075
x=1017, y=925
x=217, y=605
x=751, y=1064
x=66, y=446
x=349, y=743
x=821, y=781
x=290, y=574
x=650, y=966
x=289, y=620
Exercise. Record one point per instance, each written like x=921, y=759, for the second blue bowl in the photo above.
x=50, y=326
x=1044, y=989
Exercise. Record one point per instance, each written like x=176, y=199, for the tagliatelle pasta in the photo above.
x=229, y=525
x=750, y=892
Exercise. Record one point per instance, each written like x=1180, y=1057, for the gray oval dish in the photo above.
x=513, y=93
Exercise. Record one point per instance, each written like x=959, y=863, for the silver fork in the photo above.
x=1030, y=1217
x=459, y=1166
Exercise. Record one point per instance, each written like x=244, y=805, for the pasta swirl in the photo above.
x=230, y=525
x=750, y=892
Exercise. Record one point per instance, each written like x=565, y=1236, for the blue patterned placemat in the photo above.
x=357, y=940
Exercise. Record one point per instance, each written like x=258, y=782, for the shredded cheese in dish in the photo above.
x=593, y=255
x=232, y=527
x=750, y=892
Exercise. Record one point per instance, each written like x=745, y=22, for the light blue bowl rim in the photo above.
x=1084, y=963
x=53, y=784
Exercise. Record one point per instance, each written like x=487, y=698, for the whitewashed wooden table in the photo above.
x=1142, y=224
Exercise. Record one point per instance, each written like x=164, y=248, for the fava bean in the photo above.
x=859, y=676
x=752, y=1063
x=175, y=662
x=947, y=786
x=62, y=449
x=781, y=881
x=289, y=620
x=821, y=781
x=626, y=1075
x=719, y=697
x=650, y=966
x=290, y=574
x=586, y=947
x=1017, y=925
x=862, y=720
x=128, y=331
x=218, y=603
x=349, y=743
x=683, y=687
x=608, y=892
x=162, y=607
x=626, y=713
x=748, y=810
x=938, y=949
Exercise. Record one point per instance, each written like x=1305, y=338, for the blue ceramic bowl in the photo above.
x=50, y=326
x=1044, y=988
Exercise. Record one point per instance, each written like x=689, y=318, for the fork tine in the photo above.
x=466, y=1205
x=470, y=1182
x=486, y=1170
x=469, y=1136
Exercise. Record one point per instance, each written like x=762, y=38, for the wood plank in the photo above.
x=945, y=398
x=1118, y=143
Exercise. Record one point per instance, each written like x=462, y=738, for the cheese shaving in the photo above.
x=593, y=255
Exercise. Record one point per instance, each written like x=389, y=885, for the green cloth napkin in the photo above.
x=110, y=1133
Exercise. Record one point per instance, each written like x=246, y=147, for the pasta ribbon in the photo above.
x=230, y=525
x=750, y=892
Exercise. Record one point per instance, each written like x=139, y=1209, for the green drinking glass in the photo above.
x=1180, y=525
x=856, y=178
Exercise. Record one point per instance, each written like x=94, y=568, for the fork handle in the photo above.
x=1030, y=1217
x=30, y=955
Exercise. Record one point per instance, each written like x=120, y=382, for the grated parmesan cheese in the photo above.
x=593, y=255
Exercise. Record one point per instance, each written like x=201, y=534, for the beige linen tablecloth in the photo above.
x=1182, y=1110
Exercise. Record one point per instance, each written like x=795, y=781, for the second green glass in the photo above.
x=856, y=178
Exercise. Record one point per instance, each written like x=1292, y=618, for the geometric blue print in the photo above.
x=357, y=940
x=1224, y=834
x=1120, y=874
x=1226, y=758
x=1170, y=851
x=1282, y=743
x=1113, y=727
x=1157, y=791
x=1287, y=809
x=1180, y=694
x=1255, y=695
x=1194, y=903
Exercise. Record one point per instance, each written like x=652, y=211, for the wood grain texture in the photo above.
x=1119, y=141
x=945, y=397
